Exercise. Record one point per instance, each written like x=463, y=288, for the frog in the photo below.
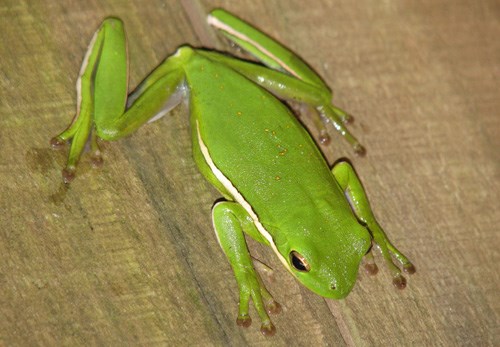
x=276, y=184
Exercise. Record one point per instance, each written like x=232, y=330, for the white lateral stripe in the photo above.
x=223, y=26
x=238, y=197
x=215, y=228
x=85, y=62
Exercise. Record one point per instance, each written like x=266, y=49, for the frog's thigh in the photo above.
x=157, y=94
x=101, y=89
x=110, y=76
x=230, y=222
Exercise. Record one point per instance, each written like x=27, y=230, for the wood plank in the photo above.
x=127, y=254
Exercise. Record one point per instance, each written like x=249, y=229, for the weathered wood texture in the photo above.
x=127, y=256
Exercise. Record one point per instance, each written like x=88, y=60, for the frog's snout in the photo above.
x=340, y=291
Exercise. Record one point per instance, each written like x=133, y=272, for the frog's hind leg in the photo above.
x=281, y=59
x=101, y=89
x=102, y=95
x=349, y=182
x=288, y=87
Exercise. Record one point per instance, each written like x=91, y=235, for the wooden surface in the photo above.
x=127, y=255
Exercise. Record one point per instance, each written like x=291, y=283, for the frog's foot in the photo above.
x=252, y=287
x=339, y=118
x=102, y=93
x=319, y=122
x=356, y=196
x=79, y=134
x=323, y=115
x=389, y=252
x=398, y=279
x=272, y=307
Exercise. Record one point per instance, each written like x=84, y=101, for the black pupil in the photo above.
x=298, y=264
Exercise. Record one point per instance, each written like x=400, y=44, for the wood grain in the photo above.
x=126, y=255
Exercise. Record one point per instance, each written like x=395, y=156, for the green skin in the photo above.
x=278, y=188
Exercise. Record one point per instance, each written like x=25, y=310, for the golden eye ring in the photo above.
x=298, y=262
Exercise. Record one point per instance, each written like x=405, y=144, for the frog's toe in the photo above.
x=244, y=321
x=399, y=281
x=324, y=138
x=97, y=160
x=267, y=329
x=348, y=119
x=57, y=143
x=68, y=174
x=409, y=268
x=359, y=149
x=273, y=307
x=371, y=269
x=370, y=266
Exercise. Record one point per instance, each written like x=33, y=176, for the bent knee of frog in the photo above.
x=109, y=133
x=183, y=51
x=112, y=22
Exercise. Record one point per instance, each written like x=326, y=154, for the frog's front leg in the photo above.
x=230, y=220
x=102, y=88
x=350, y=183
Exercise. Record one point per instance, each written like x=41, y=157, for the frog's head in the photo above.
x=325, y=256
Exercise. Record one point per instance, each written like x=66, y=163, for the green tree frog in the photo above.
x=278, y=187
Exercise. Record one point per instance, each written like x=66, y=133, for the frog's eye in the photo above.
x=299, y=262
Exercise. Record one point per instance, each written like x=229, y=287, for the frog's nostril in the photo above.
x=333, y=286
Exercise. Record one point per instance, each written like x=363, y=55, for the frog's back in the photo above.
x=255, y=140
